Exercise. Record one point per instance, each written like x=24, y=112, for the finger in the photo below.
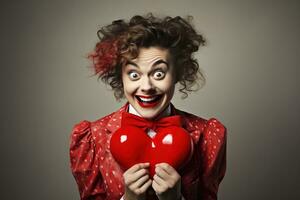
x=140, y=173
x=139, y=182
x=168, y=168
x=169, y=179
x=134, y=169
x=131, y=178
x=159, y=180
x=137, y=167
x=155, y=186
x=146, y=186
x=158, y=188
x=162, y=173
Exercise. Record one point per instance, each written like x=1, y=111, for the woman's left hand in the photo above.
x=166, y=182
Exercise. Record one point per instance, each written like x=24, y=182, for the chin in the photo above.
x=149, y=117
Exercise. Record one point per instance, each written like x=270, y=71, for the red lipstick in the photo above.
x=148, y=103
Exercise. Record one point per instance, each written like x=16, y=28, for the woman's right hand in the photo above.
x=137, y=181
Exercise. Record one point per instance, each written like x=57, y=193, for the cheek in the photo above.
x=129, y=86
x=167, y=85
x=167, y=88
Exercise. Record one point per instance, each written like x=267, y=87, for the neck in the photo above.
x=166, y=112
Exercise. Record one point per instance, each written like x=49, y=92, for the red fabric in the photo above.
x=99, y=177
x=129, y=119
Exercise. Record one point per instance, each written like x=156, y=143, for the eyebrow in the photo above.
x=156, y=63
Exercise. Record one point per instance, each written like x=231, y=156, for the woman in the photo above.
x=142, y=60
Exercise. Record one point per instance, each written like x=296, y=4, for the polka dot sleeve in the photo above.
x=83, y=162
x=213, y=156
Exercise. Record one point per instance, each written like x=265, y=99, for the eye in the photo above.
x=159, y=75
x=133, y=75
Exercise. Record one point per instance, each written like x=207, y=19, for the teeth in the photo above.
x=147, y=99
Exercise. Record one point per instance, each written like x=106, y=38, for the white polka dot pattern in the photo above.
x=99, y=176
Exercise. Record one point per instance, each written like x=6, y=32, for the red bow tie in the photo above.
x=129, y=119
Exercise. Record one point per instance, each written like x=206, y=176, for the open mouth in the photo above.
x=148, y=101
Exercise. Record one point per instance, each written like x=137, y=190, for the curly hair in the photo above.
x=122, y=38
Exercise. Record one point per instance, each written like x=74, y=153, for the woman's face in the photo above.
x=149, y=81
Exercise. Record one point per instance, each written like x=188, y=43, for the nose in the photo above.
x=146, y=85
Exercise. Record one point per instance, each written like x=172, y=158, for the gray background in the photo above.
x=251, y=63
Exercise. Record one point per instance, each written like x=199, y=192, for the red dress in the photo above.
x=99, y=177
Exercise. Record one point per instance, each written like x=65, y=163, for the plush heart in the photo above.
x=131, y=145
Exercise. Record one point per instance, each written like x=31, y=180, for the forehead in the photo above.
x=152, y=54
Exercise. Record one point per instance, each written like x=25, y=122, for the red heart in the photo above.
x=131, y=145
